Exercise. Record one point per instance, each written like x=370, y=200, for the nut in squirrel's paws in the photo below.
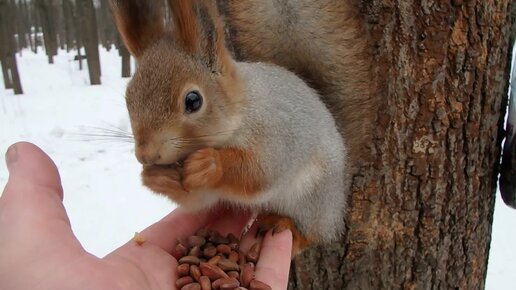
x=278, y=224
x=163, y=179
x=202, y=169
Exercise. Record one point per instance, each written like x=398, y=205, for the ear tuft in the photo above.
x=186, y=28
x=140, y=23
x=199, y=29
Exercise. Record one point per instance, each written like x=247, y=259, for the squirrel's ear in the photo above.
x=140, y=22
x=199, y=29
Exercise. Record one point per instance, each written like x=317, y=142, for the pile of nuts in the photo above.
x=208, y=260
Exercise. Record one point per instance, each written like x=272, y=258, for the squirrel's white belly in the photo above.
x=287, y=191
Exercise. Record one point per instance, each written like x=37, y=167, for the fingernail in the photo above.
x=11, y=156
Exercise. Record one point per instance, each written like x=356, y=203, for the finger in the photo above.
x=33, y=191
x=274, y=264
x=31, y=208
x=29, y=163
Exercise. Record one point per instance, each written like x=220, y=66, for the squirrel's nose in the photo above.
x=147, y=155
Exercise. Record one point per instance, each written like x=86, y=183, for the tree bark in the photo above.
x=421, y=211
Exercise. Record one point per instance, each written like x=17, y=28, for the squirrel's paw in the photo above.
x=202, y=169
x=277, y=224
x=164, y=180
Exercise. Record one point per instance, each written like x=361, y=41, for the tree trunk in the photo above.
x=86, y=12
x=47, y=17
x=8, y=47
x=421, y=211
x=126, y=58
x=11, y=62
x=107, y=26
x=26, y=23
x=20, y=24
x=3, y=45
x=68, y=24
x=37, y=24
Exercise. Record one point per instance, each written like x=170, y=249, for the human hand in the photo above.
x=38, y=249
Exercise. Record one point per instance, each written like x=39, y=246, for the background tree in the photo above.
x=126, y=58
x=8, y=46
x=88, y=25
x=422, y=205
x=47, y=12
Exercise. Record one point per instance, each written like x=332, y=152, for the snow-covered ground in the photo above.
x=62, y=113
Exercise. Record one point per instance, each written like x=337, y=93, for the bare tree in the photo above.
x=8, y=47
x=88, y=24
x=68, y=24
x=48, y=20
x=126, y=58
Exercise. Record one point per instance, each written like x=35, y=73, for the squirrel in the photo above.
x=209, y=129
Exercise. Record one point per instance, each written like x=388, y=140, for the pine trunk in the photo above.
x=421, y=209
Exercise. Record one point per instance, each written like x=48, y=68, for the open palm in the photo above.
x=39, y=251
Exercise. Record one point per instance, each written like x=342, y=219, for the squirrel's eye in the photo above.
x=193, y=102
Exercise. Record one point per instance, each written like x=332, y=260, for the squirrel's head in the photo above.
x=185, y=94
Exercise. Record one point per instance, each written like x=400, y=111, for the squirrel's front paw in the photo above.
x=277, y=224
x=202, y=169
x=164, y=180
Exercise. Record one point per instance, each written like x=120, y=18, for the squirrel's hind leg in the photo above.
x=277, y=224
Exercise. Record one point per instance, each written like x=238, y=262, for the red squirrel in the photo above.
x=210, y=129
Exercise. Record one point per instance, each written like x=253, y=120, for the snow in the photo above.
x=63, y=114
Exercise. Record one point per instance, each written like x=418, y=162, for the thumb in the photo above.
x=32, y=198
x=30, y=166
x=35, y=233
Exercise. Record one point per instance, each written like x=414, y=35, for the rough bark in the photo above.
x=421, y=209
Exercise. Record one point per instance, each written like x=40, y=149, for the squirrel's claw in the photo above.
x=278, y=224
